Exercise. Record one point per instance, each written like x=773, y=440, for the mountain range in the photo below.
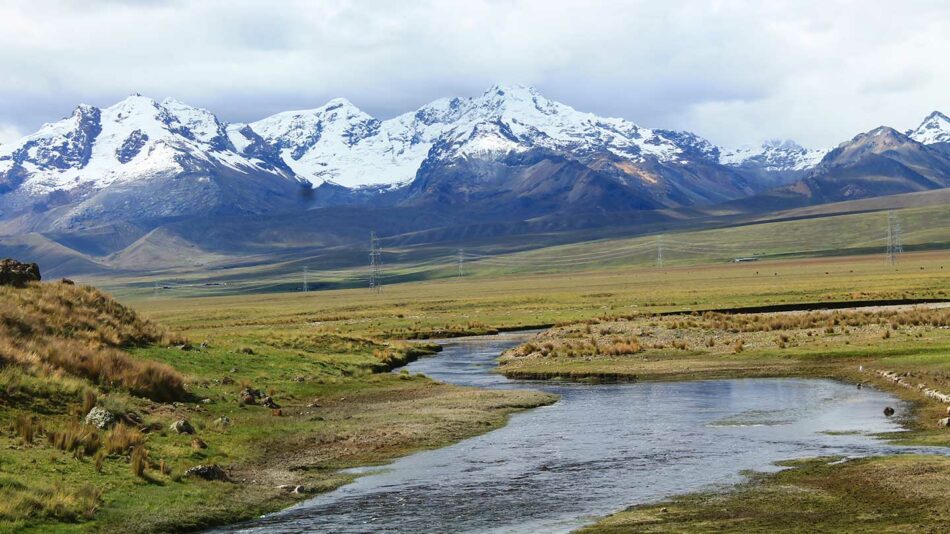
x=101, y=180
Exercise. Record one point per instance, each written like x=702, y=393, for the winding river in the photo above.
x=599, y=449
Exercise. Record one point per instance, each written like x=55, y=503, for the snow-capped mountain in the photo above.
x=132, y=139
x=137, y=143
x=774, y=156
x=342, y=144
x=934, y=129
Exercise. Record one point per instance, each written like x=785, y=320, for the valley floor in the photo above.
x=323, y=357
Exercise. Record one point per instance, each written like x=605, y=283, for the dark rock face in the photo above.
x=131, y=146
x=17, y=274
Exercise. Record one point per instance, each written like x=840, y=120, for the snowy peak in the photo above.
x=775, y=155
x=934, y=129
x=134, y=139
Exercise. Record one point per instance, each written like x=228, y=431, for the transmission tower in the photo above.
x=306, y=286
x=375, y=263
x=461, y=258
x=659, y=250
x=894, y=244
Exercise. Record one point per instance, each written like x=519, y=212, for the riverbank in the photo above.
x=879, y=494
x=903, y=350
x=274, y=416
x=860, y=346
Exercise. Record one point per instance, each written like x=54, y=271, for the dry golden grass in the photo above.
x=60, y=328
x=19, y=502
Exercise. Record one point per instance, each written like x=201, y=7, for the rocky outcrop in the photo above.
x=182, y=426
x=18, y=274
x=100, y=418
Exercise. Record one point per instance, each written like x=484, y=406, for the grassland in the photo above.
x=67, y=349
x=324, y=356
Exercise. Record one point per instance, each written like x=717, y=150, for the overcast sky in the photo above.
x=818, y=71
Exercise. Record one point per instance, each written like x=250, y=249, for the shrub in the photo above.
x=122, y=439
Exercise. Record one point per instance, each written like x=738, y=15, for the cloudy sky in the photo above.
x=736, y=72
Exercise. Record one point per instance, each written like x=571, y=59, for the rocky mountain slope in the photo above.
x=880, y=162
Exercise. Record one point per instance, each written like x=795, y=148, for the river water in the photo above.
x=598, y=450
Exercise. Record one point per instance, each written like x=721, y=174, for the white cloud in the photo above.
x=9, y=133
x=736, y=72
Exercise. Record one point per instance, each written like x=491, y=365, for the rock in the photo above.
x=945, y=422
x=277, y=413
x=269, y=402
x=100, y=418
x=206, y=401
x=207, y=472
x=223, y=421
x=17, y=274
x=185, y=346
x=67, y=281
x=234, y=370
x=249, y=395
x=203, y=345
x=948, y=411
x=198, y=443
x=182, y=426
x=227, y=380
x=888, y=411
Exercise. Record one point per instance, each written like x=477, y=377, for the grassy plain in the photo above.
x=323, y=357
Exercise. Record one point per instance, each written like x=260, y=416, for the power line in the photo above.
x=659, y=250
x=461, y=259
x=894, y=244
x=306, y=287
x=375, y=263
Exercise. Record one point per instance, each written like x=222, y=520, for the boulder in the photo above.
x=269, y=402
x=207, y=472
x=945, y=422
x=67, y=282
x=198, y=443
x=17, y=274
x=223, y=421
x=182, y=426
x=100, y=418
x=888, y=411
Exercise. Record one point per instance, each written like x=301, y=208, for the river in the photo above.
x=599, y=449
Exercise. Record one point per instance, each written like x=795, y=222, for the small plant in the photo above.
x=24, y=427
x=122, y=439
x=89, y=400
x=138, y=460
